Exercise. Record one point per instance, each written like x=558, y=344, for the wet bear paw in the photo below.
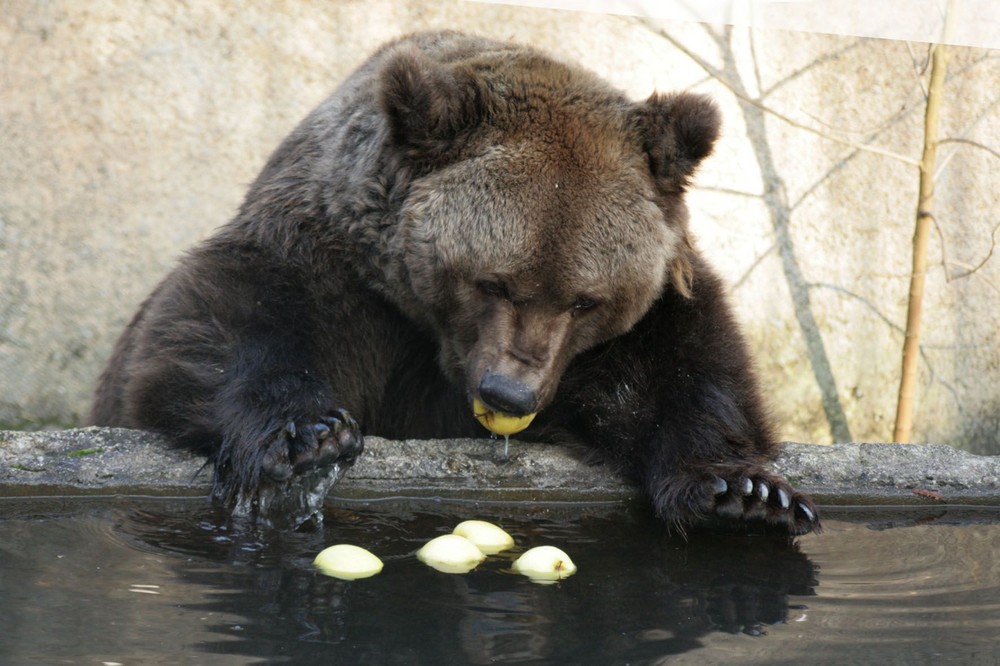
x=302, y=446
x=297, y=467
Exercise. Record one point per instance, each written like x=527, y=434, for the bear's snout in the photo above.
x=505, y=394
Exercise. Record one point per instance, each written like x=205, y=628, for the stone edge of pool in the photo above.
x=111, y=461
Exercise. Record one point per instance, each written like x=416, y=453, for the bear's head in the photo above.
x=544, y=214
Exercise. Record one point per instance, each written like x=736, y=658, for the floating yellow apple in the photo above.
x=545, y=564
x=347, y=562
x=451, y=553
x=487, y=537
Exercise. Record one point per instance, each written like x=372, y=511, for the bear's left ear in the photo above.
x=678, y=131
x=428, y=104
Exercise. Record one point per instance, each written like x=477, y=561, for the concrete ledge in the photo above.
x=104, y=461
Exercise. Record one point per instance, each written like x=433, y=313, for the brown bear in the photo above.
x=464, y=221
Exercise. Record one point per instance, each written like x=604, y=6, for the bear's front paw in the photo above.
x=751, y=495
x=292, y=472
x=303, y=446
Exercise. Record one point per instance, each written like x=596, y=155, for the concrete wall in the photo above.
x=129, y=130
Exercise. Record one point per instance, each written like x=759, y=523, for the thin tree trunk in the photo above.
x=925, y=205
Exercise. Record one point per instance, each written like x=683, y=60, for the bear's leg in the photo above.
x=226, y=359
x=277, y=422
x=284, y=480
x=675, y=404
x=708, y=449
x=254, y=406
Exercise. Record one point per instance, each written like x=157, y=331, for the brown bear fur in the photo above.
x=461, y=219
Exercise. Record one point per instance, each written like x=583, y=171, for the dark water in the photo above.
x=132, y=581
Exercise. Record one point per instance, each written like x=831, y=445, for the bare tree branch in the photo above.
x=920, y=66
x=963, y=140
x=846, y=159
x=944, y=248
x=975, y=144
x=972, y=269
x=822, y=60
x=864, y=301
x=925, y=205
x=730, y=191
x=753, y=266
x=969, y=269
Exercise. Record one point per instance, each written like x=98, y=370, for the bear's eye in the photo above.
x=583, y=304
x=491, y=288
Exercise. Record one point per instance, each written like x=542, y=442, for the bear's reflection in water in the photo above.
x=640, y=592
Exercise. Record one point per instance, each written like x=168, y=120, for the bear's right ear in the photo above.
x=678, y=131
x=428, y=104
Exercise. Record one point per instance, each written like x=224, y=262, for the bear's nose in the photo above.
x=504, y=394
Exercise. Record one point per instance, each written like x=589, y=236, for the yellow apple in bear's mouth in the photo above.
x=498, y=422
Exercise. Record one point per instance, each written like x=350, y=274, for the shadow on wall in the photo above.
x=780, y=211
x=948, y=411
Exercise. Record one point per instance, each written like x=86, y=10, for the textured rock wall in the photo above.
x=117, y=461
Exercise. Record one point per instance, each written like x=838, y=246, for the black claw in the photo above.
x=719, y=486
x=783, y=499
x=344, y=417
x=290, y=429
x=747, y=487
x=322, y=431
x=763, y=492
x=807, y=512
